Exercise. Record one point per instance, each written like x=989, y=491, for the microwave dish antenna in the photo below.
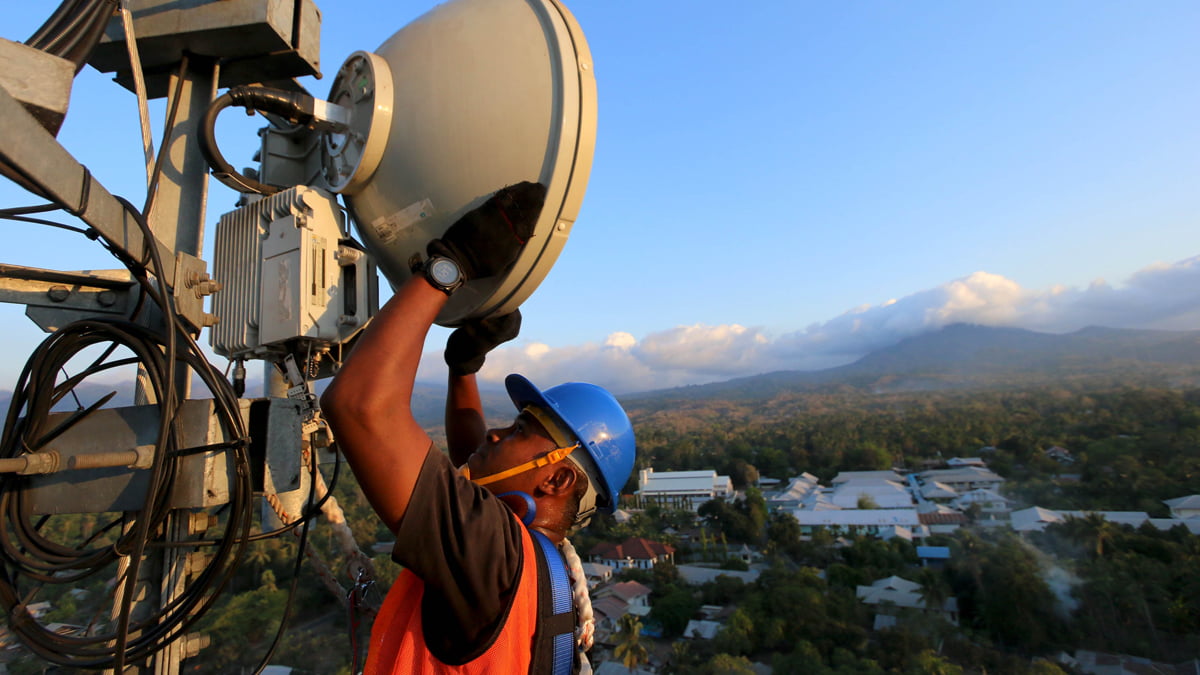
x=473, y=96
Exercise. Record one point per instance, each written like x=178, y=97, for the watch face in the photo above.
x=444, y=271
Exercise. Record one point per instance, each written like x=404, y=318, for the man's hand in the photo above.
x=470, y=343
x=488, y=239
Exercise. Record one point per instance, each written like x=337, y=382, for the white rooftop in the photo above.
x=938, y=490
x=885, y=493
x=1188, y=502
x=705, y=630
x=681, y=482
x=695, y=575
x=866, y=475
x=859, y=517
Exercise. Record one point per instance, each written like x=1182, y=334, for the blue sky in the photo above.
x=790, y=184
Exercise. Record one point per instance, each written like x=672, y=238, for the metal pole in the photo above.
x=177, y=220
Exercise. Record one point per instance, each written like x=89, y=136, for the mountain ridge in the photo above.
x=971, y=355
x=957, y=356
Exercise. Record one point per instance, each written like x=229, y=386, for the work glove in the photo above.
x=488, y=239
x=469, y=343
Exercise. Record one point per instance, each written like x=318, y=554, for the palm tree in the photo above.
x=934, y=590
x=631, y=651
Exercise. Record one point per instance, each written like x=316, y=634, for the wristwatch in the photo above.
x=443, y=274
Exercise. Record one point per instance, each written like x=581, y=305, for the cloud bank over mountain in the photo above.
x=1160, y=296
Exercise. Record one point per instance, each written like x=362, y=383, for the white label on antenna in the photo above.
x=389, y=228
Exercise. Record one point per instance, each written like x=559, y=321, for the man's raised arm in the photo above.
x=369, y=402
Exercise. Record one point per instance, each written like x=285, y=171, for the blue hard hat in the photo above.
x=596, y=419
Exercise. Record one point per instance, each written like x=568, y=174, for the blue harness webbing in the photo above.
x=560, y=603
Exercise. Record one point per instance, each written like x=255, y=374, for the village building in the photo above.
x=963, y=478
x=939, y=518
x=1184, y=507
x=635, y=596
x=992, y=505
x=633, y=553
x=696, y=575
x=955, y=462
x=894, y=594
x=681, y=489
x=883, y=523
x=847, y=476
x=936, y=491
x=1059, y=454
x=796, y=492
x=874, y=493
x=596, y=573
x=1037, y=519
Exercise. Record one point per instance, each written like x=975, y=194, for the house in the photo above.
x=965, y=461
x=964, y=478
x=747, y=555
x=682, y=489
x=694, y=575
x=634, y=552
x=795, y=493
x=895, y=593
x=933, y=556
x=1036, y=519
x=846, y=476
x=701, y=629
x=879, y=493
x=938, y=491
x=878, y=522
x=1059, y=454
x=766, y=484
x=940, y=519
x=1184, y=507
x=596, y=574
x=608, y=611
x=992, y=505
x=635, y=596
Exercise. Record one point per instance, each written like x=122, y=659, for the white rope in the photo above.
x=585, y=629
x=356, y=560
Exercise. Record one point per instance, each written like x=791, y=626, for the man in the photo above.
x=476, y=595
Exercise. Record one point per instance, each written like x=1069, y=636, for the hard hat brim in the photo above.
x=523, y=392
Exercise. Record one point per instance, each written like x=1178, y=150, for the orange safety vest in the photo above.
x=398, y=640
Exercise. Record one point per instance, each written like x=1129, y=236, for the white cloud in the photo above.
x=1160, y=296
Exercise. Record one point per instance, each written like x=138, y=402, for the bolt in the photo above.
x=204, y=288
x=196, y=278
x=106, y=298
x=58, y=293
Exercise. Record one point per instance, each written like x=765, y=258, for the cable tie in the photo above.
x=85, y=193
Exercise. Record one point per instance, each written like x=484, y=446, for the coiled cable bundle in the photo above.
x=33, y=560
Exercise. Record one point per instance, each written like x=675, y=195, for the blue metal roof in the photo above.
x=934, y=552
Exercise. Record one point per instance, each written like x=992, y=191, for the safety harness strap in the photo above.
x=556, y=616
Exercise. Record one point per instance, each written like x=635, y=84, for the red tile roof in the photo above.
x=942, y=518
x=634, y=547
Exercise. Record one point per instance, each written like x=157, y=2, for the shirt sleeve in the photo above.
x=465, y=546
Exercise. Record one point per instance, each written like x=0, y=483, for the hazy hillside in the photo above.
x=964, y=355
x=957, y=356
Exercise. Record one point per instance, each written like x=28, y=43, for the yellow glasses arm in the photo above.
x=552, y=457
